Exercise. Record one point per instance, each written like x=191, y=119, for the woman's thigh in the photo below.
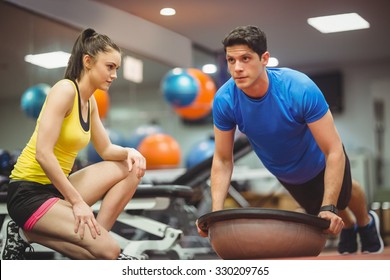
x=93, y=181
x=59, y=223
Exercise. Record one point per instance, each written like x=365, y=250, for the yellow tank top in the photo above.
x=73, y=137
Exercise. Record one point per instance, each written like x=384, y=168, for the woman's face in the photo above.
x=104, y=69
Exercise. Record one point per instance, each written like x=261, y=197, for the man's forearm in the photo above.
x=334, y=174
x=220, y=181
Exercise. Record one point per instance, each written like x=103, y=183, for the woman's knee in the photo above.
x=111, y=254
x=128, y=173
x=121, y=169
x=109, y=251
x=127, y=183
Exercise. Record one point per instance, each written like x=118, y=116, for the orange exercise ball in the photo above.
x=103, y=102
x=202, y=105
x=161, y=151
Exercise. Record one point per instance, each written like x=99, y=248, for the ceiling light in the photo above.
x=49, y=60
x=209, y=68
x=273, y=62
x=167, y=12
x=338, y=23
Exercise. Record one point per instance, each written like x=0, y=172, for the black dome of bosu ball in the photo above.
x=259, y=233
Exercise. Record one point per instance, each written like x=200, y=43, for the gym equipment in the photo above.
x=33, y=99
x=161, y=237
x=179, y=214
x=190, y=92
x=103, y=102
x=160, y=151
x=200, y=151
x=199, y=173
x=259, y=233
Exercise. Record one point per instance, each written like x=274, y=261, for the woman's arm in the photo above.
x=58, y=105
x=109, y=151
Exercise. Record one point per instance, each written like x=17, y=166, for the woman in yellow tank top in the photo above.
x=47, y=204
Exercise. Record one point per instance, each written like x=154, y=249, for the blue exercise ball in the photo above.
x=179, y=87
x=33, y=98
x=140, y=133
x=199, y=152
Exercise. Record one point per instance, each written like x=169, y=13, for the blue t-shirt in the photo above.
x=276, y=124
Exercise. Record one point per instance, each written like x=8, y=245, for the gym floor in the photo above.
x=326, y=254
x=333, y=255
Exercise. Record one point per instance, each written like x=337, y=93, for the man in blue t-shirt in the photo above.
x=285, y=117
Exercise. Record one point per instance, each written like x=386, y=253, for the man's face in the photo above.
x=245, y=65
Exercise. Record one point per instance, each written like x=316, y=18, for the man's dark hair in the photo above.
x=248, y=35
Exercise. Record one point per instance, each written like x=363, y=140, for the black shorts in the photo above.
x=26, y=201
x=310, y=194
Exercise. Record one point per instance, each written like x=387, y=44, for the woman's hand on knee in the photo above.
x=136, y=160
x=84, y=217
